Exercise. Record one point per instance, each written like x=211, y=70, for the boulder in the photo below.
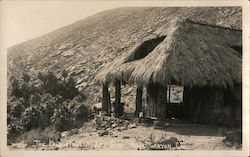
x=108, y=129
x=91, y=134
x=65, y=134
x=130, y=126
x=123, y=128
x=118, y=129
x=98, y=105
x=125, y=137
x=114, y=125
x=102, y=133
x=81, y=129
x=104, y=124
x=74, y=131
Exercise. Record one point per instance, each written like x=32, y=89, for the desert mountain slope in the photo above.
x=85, y=46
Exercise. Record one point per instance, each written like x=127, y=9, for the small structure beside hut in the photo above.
x=204, y=58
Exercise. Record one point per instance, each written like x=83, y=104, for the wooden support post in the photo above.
x=109, y=105
x=169, y=93
x=105, y=97
x=152, y=100
x=118, y=107
x=162, y=102
x=186, y=94
x=186, y=101
x=138, y=102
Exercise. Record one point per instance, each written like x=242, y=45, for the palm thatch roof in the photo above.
x=193, y=52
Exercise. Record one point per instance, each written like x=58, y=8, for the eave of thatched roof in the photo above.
x=117, y=70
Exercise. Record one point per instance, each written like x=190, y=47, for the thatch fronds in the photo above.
x=124, y=71
x=193, y=54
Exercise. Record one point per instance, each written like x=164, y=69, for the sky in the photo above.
x=24, y=20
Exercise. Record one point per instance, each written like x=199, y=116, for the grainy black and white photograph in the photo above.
x=113, y=77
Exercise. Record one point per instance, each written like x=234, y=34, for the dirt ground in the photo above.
x=191, y=137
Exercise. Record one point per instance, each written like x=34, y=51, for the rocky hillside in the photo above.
x=85, y=46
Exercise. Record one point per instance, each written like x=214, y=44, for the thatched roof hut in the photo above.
x=203, y=56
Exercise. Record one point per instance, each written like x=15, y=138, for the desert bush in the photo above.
x=62, y=119
x=55, y=86
x=42, y=136
x=79, y=110
x=233, y=138
x=48, y=102
x=15, y=128
x=14, y=88
x=26, y=77
x=49, y=82
x=25, y=89
x=30, y=117
x=34, y=99
x=15, y=106
x=31, y=136
x=81, y=96
x=69, y=115
x=69, y=89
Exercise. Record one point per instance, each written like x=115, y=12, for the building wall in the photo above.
x=210, y=105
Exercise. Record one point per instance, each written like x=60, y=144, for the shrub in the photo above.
x=14, y=88
x=233, y=138
x=70, y=90
x=79, y=111
x=15, y=128
x=43, y=136
x=62, y=119
x=69, y=115
x=48, y=102
x=51, y=84
x=26, y=77
x=30, y=117
x=16, y=106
